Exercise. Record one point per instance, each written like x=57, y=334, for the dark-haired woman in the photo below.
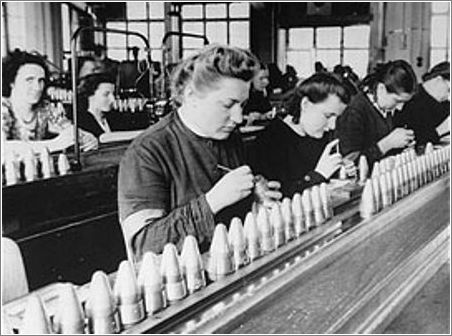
x=258, y=105
x=27, y=120
x=96, y=96
x=294, y=150
x=172, y=181
x=429, y=107
x=366, y=126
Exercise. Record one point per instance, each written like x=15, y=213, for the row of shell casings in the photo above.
x=168, y=278
x=387, y=164
x=266, y=229
x=129, y=104
x=31, y=166
x=406, y=175
x=59, y=94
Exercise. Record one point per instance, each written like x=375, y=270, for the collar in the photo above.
x=384, y=113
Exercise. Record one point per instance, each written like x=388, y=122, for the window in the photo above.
x=225, y=23
x=146, y=18
x=329, y=45
x=440, y=34
x=14, y=16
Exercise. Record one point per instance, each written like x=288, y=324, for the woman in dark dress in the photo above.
x=294, y=150
x=96, y=96
x=429, y=107
x=366, y=126
x=258, y=103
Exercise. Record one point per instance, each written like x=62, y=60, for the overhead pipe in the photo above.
x=77, y=164
x=164, y=49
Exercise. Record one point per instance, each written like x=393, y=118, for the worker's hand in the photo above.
x=266, y=192
x=64, y=140
x=88, y=141
x=398, y=138
x=231, y=188
x=252, y=117
x=350, y=168
x=329, y=162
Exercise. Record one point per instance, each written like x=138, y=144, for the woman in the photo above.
x=294, y=150
x=366, y=125
x=258, y=103
x=96, y=96
x=26, y=115
x=430, y=106
x=172, y=181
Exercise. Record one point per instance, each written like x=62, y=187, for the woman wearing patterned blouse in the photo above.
x=26, y=116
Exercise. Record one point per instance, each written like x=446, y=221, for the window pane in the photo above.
x=65, y=27
x=358, y=60
x=192, y=11
x=301, y=38
x=156, y=32
x=329, y=58
x=302, y=61
x=440, y=7
x=188, y=52
x=117, y=54
x=239, y=9
x=156, y=10
x=136, y=10
x=216, y=32
x=137, y=27
x=329, y=37
x=356, y=37
x=437, y=56
x=216, y=11
x=240, y=34
x=193, y=28
x=114, y=39
x=156, y=55
x=439, y=31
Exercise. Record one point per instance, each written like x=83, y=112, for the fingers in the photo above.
x=242, y=170
x=331, y=145
x=274, y=185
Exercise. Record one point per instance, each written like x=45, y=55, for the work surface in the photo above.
x=394, y=250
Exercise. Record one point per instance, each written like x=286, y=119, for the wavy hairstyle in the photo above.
x=206, y=68
x=441, y=69
x=11, y=64
x=316, y=88
x=89, y=86
x=397, y=76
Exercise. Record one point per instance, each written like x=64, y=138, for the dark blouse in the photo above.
x=283, y=155
x=360, y=127
x=166, y=171
x=423, y=114
x=117, y=121
x=257, y=102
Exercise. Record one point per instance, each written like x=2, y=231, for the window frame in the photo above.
x=148, y=20
x=204, y=20
x=445, y=49
x=314, y=49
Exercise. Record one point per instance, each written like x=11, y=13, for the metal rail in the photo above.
x=77, y=164
x=164, y=60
